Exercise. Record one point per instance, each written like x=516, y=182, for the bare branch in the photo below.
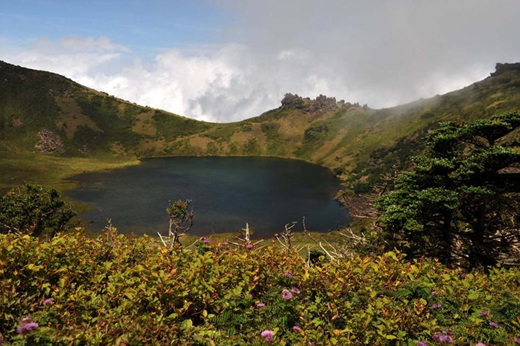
x=160, y=236
x=328, y=254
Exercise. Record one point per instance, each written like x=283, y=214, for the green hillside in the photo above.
x=48, y=121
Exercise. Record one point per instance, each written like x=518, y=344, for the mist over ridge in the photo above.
x=377, y=53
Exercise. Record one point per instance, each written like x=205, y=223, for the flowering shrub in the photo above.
x=78, y=290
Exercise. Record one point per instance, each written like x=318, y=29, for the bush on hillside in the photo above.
x=33, y=210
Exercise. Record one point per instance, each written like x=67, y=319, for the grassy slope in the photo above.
x=99, y=131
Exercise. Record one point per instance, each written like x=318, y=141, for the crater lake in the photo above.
x=226, y=192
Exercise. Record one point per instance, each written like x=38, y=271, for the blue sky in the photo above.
x=142, y=26
x=227, y=60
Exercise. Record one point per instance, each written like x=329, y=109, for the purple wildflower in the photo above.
x=446, y=339
x=517, y=341
x=493, y=324
x=484, y=313
x=47, y=301
x=26, y=319
x=297, y=328
x=421, y=343
x=436, y=306
x=447, y=331
x=260, y=305
x=287, y=274
x=286, y=294
x=204, y=240
x=267, y=335
x=31, y=325
x=436, y=336
x=480, y=344
x=26, y=328
x=249, y=246
x=295, y=290
x=434, y=294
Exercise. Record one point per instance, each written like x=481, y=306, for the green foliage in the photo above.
x=251, y=147
x=460, y=203
x=274, y=140
x=33, y=210
x=315, y=132
x=233, y=150
x=103, y=111
x=171, y=126
x=180, y=221
x=314, y=136
x=211, y=149
x=180, y=215
x=114, y=290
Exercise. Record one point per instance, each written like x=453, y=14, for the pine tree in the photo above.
x=460, y=202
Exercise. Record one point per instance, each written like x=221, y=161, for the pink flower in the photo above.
x=446, y=339
x=287, y=274
x=436, y=306
x=297, y=328
x=249, y=246
x=26, y=328
x=267, y=335
x=260, y=305
x=480, y=344
x=421, y=343
x=204, y=240
x=286, y=294
x=484, y=313
x=295, y=290
x=434, y=294
x=517, y=341
x=447, y=331
x=26, y=319
x=47, y=301
x=493, y=324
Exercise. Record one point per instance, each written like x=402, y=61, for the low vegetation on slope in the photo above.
x=45, y=112
x=119, y=290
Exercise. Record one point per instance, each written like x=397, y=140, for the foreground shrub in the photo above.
x=77, y=290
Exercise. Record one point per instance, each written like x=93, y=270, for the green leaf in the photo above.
x=187, y=324
x=474, y=296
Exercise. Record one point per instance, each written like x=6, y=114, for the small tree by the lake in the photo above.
x=180, y=221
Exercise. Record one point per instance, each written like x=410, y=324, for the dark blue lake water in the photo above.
x=225, y=192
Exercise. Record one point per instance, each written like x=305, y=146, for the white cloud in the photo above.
x=44, y=54
x=224, y=83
